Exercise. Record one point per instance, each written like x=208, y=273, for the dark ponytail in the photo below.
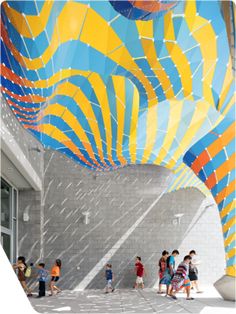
x=58, y=263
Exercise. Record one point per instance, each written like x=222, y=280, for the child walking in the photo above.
x=139, y=272
x=109, y=278
x=169, y=271
x=181, y=279
x=55, y=275
x=162, y=268
x=21, y=267
x=42, y=277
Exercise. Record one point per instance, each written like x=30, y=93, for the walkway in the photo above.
x=131, y=301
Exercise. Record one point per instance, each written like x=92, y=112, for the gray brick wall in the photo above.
x=29, y=233
x=116, y=200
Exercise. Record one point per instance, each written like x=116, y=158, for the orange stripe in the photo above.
x=10, y=46
x=222, y=141
x=11, y=76
x=31, y=99
x=225, y=192
x=33, y=127
x=226, y=167
x=25, y=120
x=200, y=162
x=11, y=103
x=152, y=6
x=25, y=115
x=211, y=181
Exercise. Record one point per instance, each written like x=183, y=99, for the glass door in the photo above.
x=8, y=228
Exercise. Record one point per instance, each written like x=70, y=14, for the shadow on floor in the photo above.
x=128, y=301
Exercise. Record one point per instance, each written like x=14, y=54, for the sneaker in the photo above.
x=174, y=297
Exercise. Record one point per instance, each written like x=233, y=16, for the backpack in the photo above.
x=28, y=272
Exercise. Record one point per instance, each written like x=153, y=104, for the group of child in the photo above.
x=175, y=280
x=43, y=276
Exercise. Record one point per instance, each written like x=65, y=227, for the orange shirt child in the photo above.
x=55, y=272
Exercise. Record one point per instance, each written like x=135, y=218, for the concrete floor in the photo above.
x=131, y=301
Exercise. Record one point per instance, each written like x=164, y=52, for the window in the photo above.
x=8, y=211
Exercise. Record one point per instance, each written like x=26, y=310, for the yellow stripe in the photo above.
x=226, y=85
x=173, y=125
x=134, y=126
x=177, y=180
x=70, y=119
x=177, y=56
x=57, y=77
x=227, y=209
x=145, y=29
x=94, y=31
x=231, y=253
x=58, y=135
x=69, y=24
x=36, y=23
x=231, y=271
x=230, y=104
x=68, y=27
x=229, y=224
x=203, y=33
x=230, y=239
x=189, y=181
x=101, y=94
x=199, y=116
x=151, y=133
x=180, y=168
x=68, y=89
x=182, y=180
x=119, y=87
x=87, y=110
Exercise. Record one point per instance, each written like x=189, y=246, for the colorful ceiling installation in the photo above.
x=112, y=83
x=212, y=159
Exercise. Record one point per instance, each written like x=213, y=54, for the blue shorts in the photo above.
x=54, y=278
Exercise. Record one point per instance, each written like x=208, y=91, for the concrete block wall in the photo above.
x=29, y=233
x=116, y=200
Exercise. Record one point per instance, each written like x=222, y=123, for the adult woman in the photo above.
x=162, y=268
